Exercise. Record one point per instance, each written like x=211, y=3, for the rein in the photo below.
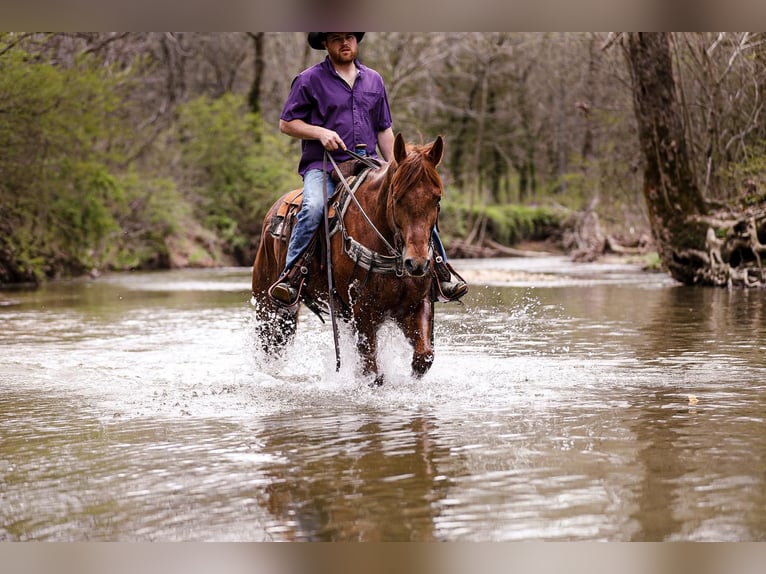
x=330, y=282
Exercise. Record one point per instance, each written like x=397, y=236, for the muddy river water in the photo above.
x=566, y=402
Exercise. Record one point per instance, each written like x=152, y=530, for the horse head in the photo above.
x=413, y=201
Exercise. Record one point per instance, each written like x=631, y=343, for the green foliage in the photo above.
x=510, y=223
x=748, y=177
x=70, y=201
x=153, y=210
x=652, y=262
x=507, y=224
x=234, y=168
x=56, y=184
x=68, y=204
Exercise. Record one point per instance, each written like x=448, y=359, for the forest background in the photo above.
x=159, y=150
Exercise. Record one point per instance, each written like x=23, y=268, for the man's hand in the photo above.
x=331, y=141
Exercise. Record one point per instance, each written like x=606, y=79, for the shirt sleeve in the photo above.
x=384, y=120
x=298, y=103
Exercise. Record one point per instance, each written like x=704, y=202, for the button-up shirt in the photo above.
x=320, y=97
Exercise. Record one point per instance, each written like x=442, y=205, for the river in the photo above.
x=567, y=402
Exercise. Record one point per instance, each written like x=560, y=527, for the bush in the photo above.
x=233, y=169
x=57, y=191
x=71, y=202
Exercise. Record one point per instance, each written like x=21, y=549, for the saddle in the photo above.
x=282, y=221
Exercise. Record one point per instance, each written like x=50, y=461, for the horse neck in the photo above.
x=376, y=205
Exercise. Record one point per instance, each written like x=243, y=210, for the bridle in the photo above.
x=361, y=255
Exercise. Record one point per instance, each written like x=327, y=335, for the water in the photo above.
x=566, y=402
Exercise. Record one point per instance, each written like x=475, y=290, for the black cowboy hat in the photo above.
x=316, y=39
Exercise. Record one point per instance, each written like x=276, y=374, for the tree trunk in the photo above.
x=254, y=96
x=695, y=244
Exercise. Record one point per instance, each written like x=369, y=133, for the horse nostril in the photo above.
x=416, y=268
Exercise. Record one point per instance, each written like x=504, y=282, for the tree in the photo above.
x=68, y=205
x=697, y=242
x=539, y=126
x=254, y=95
x=232, y=169
x=721, y=79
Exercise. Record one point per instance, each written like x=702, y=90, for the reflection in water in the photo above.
x=374, y=481
x=68, y=476
x=703, y=435
x=135, y=408
x=662, y=467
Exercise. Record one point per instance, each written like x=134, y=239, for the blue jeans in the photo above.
x=310, y=215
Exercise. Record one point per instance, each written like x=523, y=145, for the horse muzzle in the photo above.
x=416, y=266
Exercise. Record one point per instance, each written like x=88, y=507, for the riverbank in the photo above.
x=557, y=270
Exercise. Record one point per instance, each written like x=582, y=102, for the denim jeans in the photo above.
x=310, y=215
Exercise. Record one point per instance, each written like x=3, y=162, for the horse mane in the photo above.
x=415, y=168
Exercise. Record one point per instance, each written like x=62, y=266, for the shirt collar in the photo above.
x=328, y=64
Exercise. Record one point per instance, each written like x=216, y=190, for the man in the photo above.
x=334, y=105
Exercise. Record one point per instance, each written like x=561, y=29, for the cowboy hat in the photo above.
x=316, y=39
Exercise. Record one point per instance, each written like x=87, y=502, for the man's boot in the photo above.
x=287, y=288
x=449, y=289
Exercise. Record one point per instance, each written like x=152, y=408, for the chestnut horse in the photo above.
x=381, y=259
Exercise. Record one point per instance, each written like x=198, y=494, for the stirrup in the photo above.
x=453, y=290
x=284, y=292
x=446, y=290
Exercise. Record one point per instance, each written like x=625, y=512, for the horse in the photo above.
x=381, y=255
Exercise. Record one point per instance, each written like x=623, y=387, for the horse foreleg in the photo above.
x=367, y=346
x=280, y=330
x=275, y=326
x=418, y=327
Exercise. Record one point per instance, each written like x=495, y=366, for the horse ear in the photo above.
x=400, y=151
x=436, y=151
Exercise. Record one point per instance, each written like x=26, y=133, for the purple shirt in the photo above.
x=320, y=97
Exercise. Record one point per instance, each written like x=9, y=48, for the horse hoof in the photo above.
x=378, y=382
x=422, y=364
